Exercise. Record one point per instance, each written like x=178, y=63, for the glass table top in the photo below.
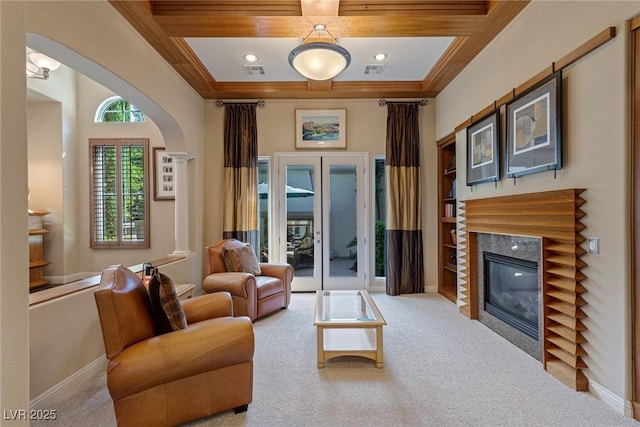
x=346, y=306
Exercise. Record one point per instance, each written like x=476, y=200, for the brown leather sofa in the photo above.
x=253, y=296
x=168, y=379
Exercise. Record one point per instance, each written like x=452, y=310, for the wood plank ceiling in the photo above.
x=166, y=23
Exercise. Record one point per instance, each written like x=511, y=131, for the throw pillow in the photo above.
x=242, y=259
x=167, y=309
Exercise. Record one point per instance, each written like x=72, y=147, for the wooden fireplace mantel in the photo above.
x=554, y=216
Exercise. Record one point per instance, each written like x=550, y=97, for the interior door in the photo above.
x=322, y=220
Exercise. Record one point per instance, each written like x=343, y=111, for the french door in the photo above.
x=322, y=220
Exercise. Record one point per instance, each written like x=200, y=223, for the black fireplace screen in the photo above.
x=512, y=292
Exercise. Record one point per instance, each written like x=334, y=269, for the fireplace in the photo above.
x=511, y=292
x=509, y=289
x=554, y=219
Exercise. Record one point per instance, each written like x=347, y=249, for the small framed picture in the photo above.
x=483, y=150
x=321, y=129
x=163, y=177
x=534, y=129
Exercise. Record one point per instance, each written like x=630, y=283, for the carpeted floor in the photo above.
x=441, y=369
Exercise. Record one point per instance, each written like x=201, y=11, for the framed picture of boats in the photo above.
x=321, y=129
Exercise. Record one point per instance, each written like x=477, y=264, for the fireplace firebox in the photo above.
x=512, y=292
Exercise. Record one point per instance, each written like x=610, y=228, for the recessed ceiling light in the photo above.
x=381, y=56
x=250, y=57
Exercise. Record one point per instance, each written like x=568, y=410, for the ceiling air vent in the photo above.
x=374, y=69
x=254, y=70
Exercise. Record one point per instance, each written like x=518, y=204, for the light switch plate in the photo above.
x=594, y=245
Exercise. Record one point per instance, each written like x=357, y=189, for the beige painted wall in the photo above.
x=58, y=132
x=56, y=352
x=161, y=213
x=366, y=132
x=44, y=131
x=596, y=149
x=14, y=251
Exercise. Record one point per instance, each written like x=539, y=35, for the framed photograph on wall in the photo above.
x=163, y=177
x=483, y=149
x=534, y=129
x=321, y=129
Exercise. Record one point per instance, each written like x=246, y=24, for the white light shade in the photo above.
x=319, y=61
x=32, y=69
x=43, y=61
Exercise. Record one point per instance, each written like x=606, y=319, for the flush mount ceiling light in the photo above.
x=39, y=65
x=319, y=60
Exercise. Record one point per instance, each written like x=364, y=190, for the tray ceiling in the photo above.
x=427, y=42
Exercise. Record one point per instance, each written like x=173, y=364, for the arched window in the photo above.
x=119, y=110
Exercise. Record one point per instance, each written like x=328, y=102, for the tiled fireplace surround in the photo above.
x=554, y=217
x=521, y=248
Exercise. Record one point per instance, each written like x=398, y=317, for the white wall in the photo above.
x=596, y=149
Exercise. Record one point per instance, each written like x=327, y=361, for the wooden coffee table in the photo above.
x=348, y=324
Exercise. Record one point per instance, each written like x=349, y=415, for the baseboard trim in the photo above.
x=44, y=399
x=616, y=402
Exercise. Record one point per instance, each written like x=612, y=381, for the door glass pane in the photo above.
x=343, y=220
x=263, y=208
x=380, y=206
x=299, y=217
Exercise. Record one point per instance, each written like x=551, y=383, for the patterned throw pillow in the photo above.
x=241, y=259
x=166, y=306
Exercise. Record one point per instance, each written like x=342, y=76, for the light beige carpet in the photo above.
x=441, y=369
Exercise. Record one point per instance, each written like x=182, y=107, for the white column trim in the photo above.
x=181, y=187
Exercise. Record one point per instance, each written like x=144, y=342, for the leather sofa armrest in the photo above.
x=279, y=270
x=282, y=271
x=201, y=347
x=208, y=306
x=232, y=282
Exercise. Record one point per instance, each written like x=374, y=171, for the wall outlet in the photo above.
x=594, y=245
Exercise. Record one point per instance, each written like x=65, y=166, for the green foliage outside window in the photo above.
x=380, y=249
x=122, y=111
x=119, y=193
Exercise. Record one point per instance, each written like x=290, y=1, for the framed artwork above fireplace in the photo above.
x=483, y=150
x=534, y=129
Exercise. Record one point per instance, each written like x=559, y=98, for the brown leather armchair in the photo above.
x=253, y=296
x=168, y=379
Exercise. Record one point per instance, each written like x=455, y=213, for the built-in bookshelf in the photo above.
x=37, y=262
x=447, y=241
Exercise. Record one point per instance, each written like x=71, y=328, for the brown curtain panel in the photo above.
x=405, y=269
x=240, y=220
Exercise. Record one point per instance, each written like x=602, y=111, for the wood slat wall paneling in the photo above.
x=555, y=217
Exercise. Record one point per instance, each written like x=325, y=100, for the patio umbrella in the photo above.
x=263, y=189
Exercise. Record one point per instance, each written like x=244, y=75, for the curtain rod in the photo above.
x=424, y=101
x=220, y=103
